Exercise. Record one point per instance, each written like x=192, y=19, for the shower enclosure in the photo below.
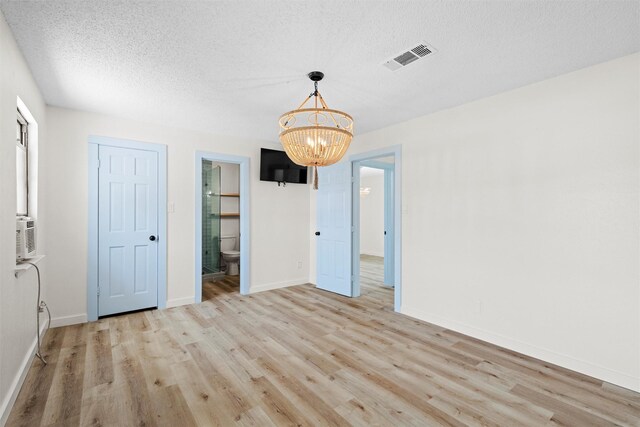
x=210, y=218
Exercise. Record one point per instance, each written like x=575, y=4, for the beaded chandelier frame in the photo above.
x=317, y=136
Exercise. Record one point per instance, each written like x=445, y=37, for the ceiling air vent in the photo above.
x=405, y=58
x=421, y=50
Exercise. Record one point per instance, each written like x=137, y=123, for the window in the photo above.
x=22, y=168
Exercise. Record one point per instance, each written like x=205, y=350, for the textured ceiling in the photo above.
x=232, y=67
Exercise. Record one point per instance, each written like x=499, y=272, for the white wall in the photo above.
x=521, y=219
x=17, y=296
x=279, y=218
x=372, y=213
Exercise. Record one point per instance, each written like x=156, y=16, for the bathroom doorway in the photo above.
x=221, y=225
x=220, y=228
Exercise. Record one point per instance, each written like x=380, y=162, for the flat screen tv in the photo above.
x=276, y=166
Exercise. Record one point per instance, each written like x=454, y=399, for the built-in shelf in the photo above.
x=229, y=215
x=22, y=266
x=229, y=195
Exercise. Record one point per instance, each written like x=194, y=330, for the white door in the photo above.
x=127, y=230
x=333, y=232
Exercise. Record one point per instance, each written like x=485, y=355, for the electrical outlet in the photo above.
x=171, y=208
x=299, y=265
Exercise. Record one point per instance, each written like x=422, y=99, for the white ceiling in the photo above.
x=232, y=67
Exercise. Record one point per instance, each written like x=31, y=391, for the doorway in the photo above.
x=220, y=228
x=376, y=225
x=127, y=226
x=338, y=224
x=222, y=225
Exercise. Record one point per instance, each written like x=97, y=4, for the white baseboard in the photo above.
x=16, y=385
x=74, y=319
x=600, y=372
x=277, y=285
x=254, y=288
x=176, y=302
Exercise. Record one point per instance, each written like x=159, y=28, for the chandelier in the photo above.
x=317, y=136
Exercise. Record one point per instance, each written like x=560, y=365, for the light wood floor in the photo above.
x=371, y=277
x=372, y=270
x=299, y=356
x=211, y=289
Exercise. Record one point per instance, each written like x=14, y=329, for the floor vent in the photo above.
x=405, y=58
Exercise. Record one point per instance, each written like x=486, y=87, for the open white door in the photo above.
x=334, y=229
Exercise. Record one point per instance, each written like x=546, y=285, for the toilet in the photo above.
x=230, y=255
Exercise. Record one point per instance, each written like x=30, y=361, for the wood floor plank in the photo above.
x=466, y=413
x=136, y=397
x=255, y=417
x=235, y=400
x=99, y=359
x=360, y=414
x=171, y=408
x=300, y=356
x=277, y=407
x=379, y=404
x=300, y=395
x=563, y=413
x=65, y=395
x=29, y=407
x=103, y=405
x=441, y=381
x=155, y=361
x=418, y=401
x=588, y=401
x=205, y=403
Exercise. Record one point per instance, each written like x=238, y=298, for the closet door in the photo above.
x=127, y=230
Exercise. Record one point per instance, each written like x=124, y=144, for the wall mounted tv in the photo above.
x=276, y=166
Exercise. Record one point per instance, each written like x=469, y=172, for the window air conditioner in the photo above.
x=25, y=238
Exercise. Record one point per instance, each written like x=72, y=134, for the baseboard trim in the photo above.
x=587, y=368
x=176, y=302
x=16, y=385
x=277, y=285
x=74, y=319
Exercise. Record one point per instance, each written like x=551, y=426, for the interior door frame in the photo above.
x=245, y=261
x=94, y=143
x=358, y=160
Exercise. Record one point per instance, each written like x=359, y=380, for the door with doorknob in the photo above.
x=127, y=230
x=333, y=236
